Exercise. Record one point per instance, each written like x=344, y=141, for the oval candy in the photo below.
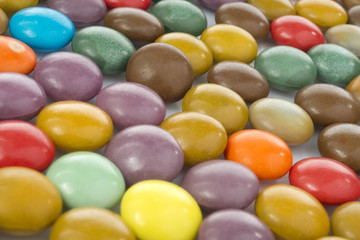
x=4, y=22
x=43, y=29
x=345, y=220
x=68, y=76
x=12, y=6
x=215, y=4
x=331, y=238
x=354, y=15
x=273, y=9
x=21, y=97
x=351, y=3
x=75, y=125
x=141, y=4
x=345, y=35
x=16, y=56
x=354, y=88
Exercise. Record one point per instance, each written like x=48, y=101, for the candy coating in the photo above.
x=141, y=4
x=345, y=35
x=12, y=6
x=4, y=21
x=354, y=16
x=345, y=220
x=274, y=8
x=354, y=88
x=215, y=4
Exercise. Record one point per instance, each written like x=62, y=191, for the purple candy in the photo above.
x=233, y=224
x=130, y=104
x=68, y=76
x=220, y=184
x=21, y=98
x=145, y=152
x=214, y=4
x=81, y=12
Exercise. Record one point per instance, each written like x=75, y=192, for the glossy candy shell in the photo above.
x=274, y=8
x=4, y=22
x=215, y=4
x=141, y=4
x=12, y=6
x=345, y=220
x=354, y=88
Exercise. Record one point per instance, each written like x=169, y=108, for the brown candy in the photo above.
x=327, y=104
x=163, y=68
x=241, y=78
x=4, y=22
x=351, y=3
x=341, y=142
x=135, y=24
x=245, y=16
x=354, y=15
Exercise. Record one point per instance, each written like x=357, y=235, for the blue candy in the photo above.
x=43, y=29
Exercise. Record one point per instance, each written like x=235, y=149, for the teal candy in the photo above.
x=87, y=179
x=286, y=68
x=108, y=48
x=180, y=16
x=335, y=64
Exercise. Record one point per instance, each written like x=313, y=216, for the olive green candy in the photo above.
x=108, y=48
x=286, y=68
x=335, y=64
x=180, y=16
x=4, y=22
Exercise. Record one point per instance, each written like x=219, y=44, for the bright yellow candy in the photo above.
x=354, y=88
x=229, y=42
x=75, y=125
x=331, y=238
x=345, y=220
x=90, y=223
x=29, y=202
x=219, y=102
x=160, y=210
x=198, y=53
x=273, y=9
x=324, y=13
x=292, y=213
x=12, y=6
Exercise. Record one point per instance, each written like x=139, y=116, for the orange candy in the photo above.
x=16, y=56
x=265, y=154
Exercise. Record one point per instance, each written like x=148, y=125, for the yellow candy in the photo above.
x=75, y=125
x=90, y=223
x=219, y=102
x=12, y=6
x=198, y=53
x=161, y=210
x=4, y=22
x=345, y=220
x=331, y=238
x=354, y=88
x=29, y=202
x=324, y=13
x=273, y=9
x=229, y=42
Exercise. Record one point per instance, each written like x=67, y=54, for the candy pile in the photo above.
x=85, y=157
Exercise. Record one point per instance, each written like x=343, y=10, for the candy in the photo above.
x=232, y=224
x=135, y=24
x=198, y=53
x=180, y=16
x=323, y=13
x=265, y=154
x=345, y=220
x=351, y=3
x=130, y=104
x=218, y=102
x=296, y=31
x=340, y=142
x=327, y=104
x=354, y=15
x=43, y=29
x=274, y=63
x=4, y=22
x=16, y=56
x=170, y=82
x=241, y=78
x=145, y=152
x=20, y=96
x=354, y=88
x=221, y=184
x=23, y=144
x=91, y=223
x=245, y=16
x=331, y=238
x=12, y=6
x=200, y=136
x=292, y=213
x=215, y=4
x=229, y=42
x=108, y=48
x=68, y=76
x=29, y=202
x=330, y=181
x=81, y=12
x=87, y=179
x=75, y=125
x=283, y=118
x=345, y=35
x=160, y=210
x=141, y=4
x=273, y=9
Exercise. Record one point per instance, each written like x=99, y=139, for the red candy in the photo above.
x=296, y=31
x=24, y=144
x=142, y=4
x=328, y=180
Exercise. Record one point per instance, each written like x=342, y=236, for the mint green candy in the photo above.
x=87, y=179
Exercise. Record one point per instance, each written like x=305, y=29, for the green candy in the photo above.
x=108, y=48
x=335, y=64
x=286, y=68
x=87, y=179
x=180, y=16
